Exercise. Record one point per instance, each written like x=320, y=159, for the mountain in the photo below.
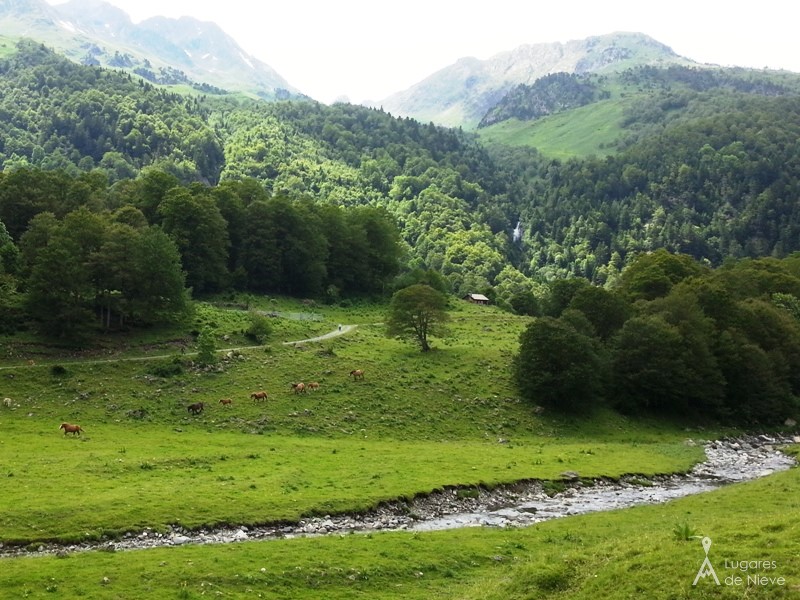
x=166, y=51
x=461, y=94
x=708, y=166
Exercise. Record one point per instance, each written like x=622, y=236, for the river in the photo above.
x=515, y=505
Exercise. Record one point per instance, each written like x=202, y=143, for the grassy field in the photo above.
x=416, y=423
x=632, y=553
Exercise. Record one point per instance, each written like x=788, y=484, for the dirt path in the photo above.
x=341, y=330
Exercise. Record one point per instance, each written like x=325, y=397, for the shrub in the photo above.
x=58, y=371
x=167, y=368
x=260, y=328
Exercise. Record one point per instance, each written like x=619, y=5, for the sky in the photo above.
x=363, y=50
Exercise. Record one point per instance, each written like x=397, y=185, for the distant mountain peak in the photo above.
x=459, y=95
x=164, y=50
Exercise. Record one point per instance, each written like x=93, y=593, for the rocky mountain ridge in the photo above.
x=461, y=94
x=171, y=51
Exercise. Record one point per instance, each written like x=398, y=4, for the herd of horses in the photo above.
x=197, y=408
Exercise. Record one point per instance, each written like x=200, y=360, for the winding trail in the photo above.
x=341, y=330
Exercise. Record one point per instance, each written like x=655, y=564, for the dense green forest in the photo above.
x=675, y=337
x=88, y=255
x=708, y=167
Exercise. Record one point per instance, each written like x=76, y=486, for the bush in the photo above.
x=206, y=347
x=260, y=328
x=58, y=371
x=168, y=368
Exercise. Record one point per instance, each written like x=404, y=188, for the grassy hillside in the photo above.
x=589, y=130
x=416, y=422
x=627, y=106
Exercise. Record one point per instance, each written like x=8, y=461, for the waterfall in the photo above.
x=517, y=235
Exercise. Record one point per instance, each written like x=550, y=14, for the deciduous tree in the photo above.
x=417, y=312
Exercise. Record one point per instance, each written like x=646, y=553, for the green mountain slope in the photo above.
x=712, y=172
x=460, y=95
x=566, y=115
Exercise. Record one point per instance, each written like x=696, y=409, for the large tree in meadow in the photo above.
x=417, y=312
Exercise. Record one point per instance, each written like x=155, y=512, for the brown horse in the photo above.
x=70, y=428
x=313, y=386
x=196, y=408
x=299, y=388
x=357, y=374
x=258, y=396
x=226, y=401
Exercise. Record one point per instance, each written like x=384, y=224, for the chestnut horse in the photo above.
x=226, y=401
x=70, y=428
x=196, y=408
x=299, y=388
x=357, y=374
x=312, y=385
x=258, y=396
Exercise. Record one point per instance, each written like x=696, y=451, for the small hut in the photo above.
x=476, y=298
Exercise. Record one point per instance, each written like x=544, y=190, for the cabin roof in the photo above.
x=477, y=297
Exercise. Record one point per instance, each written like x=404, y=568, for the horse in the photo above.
x=70, y=428
x=196, y=408
x=299, y=388
x=357, y=374
x=258, y=396
x=312, y=385
x=226, y=401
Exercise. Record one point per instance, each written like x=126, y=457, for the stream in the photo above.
x=514, y=505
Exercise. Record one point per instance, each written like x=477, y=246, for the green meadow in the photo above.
x=586, y=131
x=416, y=423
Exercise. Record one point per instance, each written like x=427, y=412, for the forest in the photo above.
x=332, y=202
x=675, y=337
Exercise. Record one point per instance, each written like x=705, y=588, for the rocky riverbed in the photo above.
x=520, y=504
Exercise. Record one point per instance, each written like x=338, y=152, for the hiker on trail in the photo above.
x=340, y=327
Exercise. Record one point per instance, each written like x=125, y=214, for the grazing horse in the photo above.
x=299, y=388
x=70, y=428
x=226, y=401
x=357, y=374
x=258, y=396
x=312, y=385
x=196, y=408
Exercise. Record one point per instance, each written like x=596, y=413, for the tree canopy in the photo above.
x=416, y=313
x=721, y=344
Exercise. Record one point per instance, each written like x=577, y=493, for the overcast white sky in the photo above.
x=368, y=49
